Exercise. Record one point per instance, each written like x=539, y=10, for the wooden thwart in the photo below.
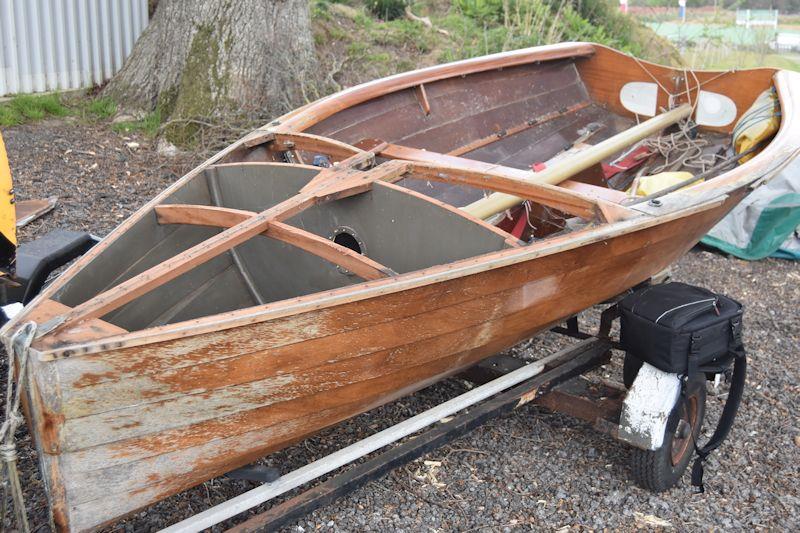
x=513, y=181
x=222, y=217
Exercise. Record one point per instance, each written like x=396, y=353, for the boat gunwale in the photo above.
x=367, y=289
x=788, y=87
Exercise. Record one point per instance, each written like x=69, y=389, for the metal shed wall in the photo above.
x=50, y=45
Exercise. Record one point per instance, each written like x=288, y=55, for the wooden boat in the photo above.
x=261, y=298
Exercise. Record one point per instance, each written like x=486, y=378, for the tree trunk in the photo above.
x=216, y=57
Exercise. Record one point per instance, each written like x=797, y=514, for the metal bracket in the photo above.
x=256, y=473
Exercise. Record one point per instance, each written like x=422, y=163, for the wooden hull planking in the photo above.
x=231, y=398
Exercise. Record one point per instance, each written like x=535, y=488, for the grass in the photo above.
x=31, y=108
x=149, y=125
x=723, y=60
x=101, y=108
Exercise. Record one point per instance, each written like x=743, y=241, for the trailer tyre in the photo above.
x=661, y=469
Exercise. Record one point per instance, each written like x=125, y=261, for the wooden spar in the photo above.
x=222, y=217
x=549, y=195
x=575, y=188
x=568, y=167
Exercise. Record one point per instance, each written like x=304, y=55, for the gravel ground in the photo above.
x=528, y=470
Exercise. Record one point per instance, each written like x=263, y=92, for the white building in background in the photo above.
x=757, y=17
x=57, y=45
x=787, y=42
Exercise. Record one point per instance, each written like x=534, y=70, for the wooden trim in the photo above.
x=510, y=239
x=422, y=98
x=223, y=217
x=311, y=114
x=282, y=142
x=90, y=330
x=411, y=280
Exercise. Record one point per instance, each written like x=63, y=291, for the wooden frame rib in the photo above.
x=284, y=142
x=223, y=217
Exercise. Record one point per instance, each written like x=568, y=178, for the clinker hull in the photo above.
x=139, y=424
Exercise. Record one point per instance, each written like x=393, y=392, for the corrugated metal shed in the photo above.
x=49, y=45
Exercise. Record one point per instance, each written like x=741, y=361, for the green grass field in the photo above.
x=724, y=59
x=716, y=46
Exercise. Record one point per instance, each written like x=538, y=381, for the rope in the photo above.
x=679, y=149
x=17, y=350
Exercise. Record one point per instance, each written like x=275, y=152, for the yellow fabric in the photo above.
x=8, y=215
x=757, y=124
x=656, y=182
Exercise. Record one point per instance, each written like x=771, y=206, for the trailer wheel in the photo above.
x=630, y=369
x=661, y=469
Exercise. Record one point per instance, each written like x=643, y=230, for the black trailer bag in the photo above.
x=688, y=330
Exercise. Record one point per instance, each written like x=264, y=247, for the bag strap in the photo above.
x=735, y=393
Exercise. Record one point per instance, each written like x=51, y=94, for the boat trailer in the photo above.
x=505, y=383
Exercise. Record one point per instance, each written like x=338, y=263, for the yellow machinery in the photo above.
x=8, y=218
x=24, y=269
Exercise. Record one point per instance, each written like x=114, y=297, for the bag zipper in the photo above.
x=713, y=304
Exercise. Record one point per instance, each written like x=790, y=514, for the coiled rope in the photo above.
x=681, y=149
x=17, y=349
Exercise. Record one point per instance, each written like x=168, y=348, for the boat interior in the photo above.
x=387, y=185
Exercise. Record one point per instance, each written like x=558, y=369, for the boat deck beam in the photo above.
x=222, y=217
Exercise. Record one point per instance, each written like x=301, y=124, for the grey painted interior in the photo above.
x=401, y=231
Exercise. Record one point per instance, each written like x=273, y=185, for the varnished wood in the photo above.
x=608, y=70
x=306, y=116
x=222, y=217
x=257, y=429
x=282, y=142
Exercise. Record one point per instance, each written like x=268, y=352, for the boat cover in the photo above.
x=766, y=223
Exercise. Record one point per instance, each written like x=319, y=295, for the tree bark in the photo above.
x=215, y=57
